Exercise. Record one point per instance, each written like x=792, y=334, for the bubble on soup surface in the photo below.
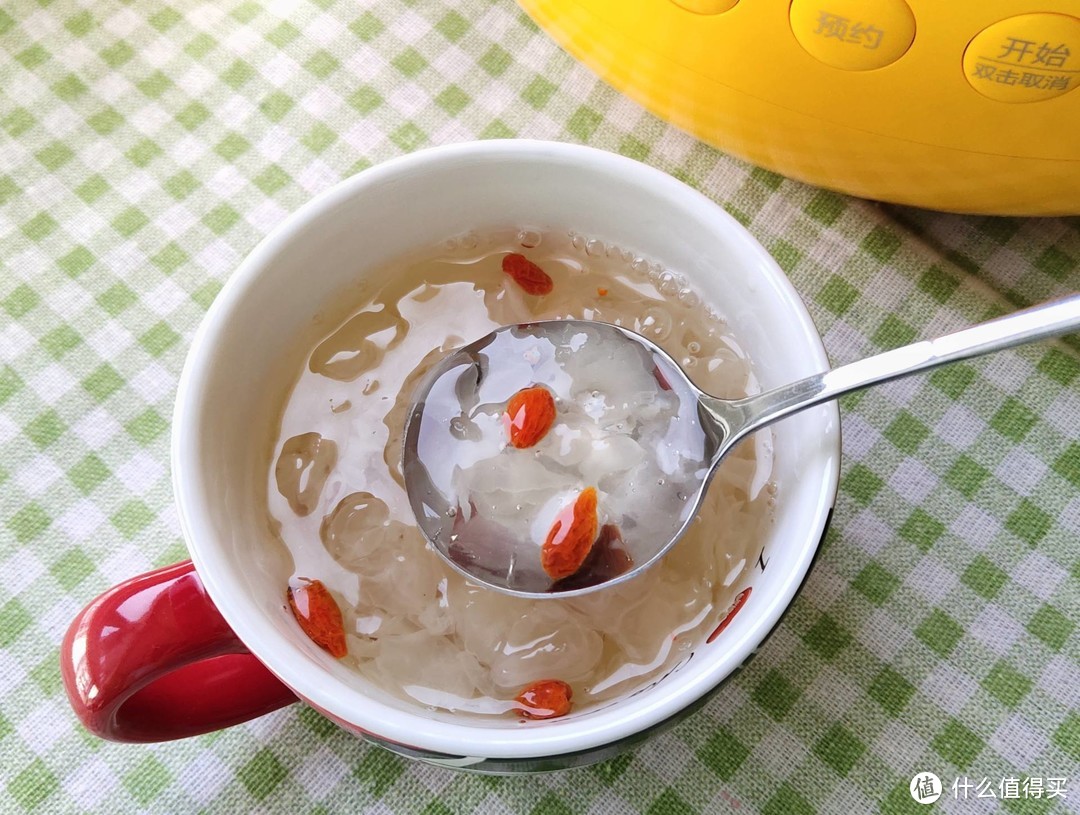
x=689, y=298
x=655, y=323
x=302, y=468
x=669, y=286
x=359, y=345
x=529, y=238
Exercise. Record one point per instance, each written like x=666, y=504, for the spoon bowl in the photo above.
x=456, y=422
x=456, y=428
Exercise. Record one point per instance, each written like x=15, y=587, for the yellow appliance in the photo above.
x=964, y=105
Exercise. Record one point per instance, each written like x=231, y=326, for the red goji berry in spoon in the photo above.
x=530, y=413
x=607, y=560
x=571, y=537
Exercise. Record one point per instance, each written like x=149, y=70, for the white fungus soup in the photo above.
x=367, y=588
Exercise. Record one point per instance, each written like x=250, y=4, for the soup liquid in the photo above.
x=415, y=626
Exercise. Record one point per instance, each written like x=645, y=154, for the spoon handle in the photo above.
x=1036, y=323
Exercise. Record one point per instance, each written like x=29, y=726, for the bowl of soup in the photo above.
x=287, y=455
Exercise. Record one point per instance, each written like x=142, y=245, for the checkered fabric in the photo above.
x=146, y=147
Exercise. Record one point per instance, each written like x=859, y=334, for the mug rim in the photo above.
x=349, y=705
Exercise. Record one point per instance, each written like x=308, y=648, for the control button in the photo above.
x=1026, y=58
x=855, y=35
x=706, y=6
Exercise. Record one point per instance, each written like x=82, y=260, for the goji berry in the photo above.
x=738, y=603
x=602, y=292
x=607, y=560
x=319, y=616
x=546, y=699
x=530, y=413
x=571, y=537
x=527, y=274
x=661, y=380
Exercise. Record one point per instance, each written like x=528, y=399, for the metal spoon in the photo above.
x=450, y=426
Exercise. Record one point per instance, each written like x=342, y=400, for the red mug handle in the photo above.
x=152, y=659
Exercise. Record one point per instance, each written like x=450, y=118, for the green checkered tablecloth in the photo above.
x=145, y=148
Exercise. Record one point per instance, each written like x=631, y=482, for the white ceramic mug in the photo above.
x=215, y=646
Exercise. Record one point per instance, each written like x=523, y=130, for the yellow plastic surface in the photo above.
x=854, y=35
x=1027, y=58
x=914, y=131
x=706, y=6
